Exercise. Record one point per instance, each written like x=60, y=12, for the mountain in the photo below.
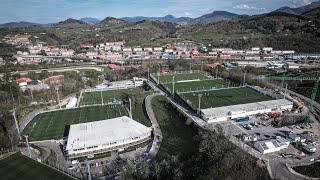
x=167, y=18
x=111, y=21
x=90, y=20
x=20, y=24
x=70, y=22
x=215, y=16
x=299, y=10
x=314, y=13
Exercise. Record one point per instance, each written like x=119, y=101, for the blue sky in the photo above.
x=49, y=11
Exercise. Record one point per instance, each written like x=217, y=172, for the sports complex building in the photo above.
x=117, y=134
x=237, y=111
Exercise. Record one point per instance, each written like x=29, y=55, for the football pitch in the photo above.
x=196, y=85
x=223, y=97
x=108, y=96
x=19, y=167
x=53, y=125
x=168, y=78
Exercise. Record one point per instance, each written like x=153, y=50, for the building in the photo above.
x=242, y=110
x=117, y=134
x=269, y=146
x=127, y=51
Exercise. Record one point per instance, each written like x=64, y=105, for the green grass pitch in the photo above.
x=19, y=167
x=167, y=78
x=224, y=97
x=196, y=85
x=51, y=125
x=90, y=98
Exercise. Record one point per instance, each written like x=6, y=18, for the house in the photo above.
x=157, y=49
x=87, y=46
x=168, y=50
x=267, y=49
x=127, y=51
x=255, y=49
x=137, y=49
x=150, y=49
x=65, y=52
x=23, y=79
x=142, y=53
x=92, y=54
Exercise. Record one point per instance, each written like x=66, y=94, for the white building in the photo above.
x=242, y=110
x=270, y=146
x=99, y=137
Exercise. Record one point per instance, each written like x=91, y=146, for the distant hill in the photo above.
x=111, y=21
x=314, y=13
x=167, y=18
x=70, y=22
x=89, y=20
x=215, y=16
x=299, y=10
x=20, y=24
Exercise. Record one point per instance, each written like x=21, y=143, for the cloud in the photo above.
x=298, y=3
x=187, y=14
x=245, y=6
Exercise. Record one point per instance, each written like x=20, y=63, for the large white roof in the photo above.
x=223, y=111
x=104, y=132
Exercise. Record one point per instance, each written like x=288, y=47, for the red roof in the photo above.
x=53, y=78
x=213, y=65
x=23, y=79
x=113, y=66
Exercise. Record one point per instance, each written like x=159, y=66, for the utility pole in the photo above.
x=148, y=74
x=31, y=93
x=26, y=136
x=172, y=84
x=57, y=89
x=200, y=95
x=244, y=78
x=190, y=66
x=16, y=122
x=130, y=106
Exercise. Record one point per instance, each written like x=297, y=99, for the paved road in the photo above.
x=157, y=139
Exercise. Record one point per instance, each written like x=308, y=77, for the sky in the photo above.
x=51, y=11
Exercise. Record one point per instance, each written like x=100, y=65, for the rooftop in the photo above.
x=223, y=111
x=104, y=132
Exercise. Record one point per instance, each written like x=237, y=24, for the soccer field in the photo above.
x=167, y=78
x=19, y=167
x=52, y=125
x=90, y=98
x=224, y=97
x=196, y=85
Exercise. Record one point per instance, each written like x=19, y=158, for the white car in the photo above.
x=315, y=144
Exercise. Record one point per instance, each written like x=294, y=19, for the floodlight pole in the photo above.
x=217, y=72
x=158, y=75
x=200, y=95
x=16, y=122
x=285, y=91
x=26, y=136
x=148, y=74
x=57, y=89
x=172, y=84
x=90, y=178
x=130, y=106
x=244, y=78
x=102, y=97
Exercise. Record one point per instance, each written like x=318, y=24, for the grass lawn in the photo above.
x=177, y=135
x=196, y=85
x=52, y=125
x=225, y=97
x=90, y=98
x=312, y=170
x=19, y=167
x=179, y=77
x=139, y=113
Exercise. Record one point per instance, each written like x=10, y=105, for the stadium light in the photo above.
x=173, y=84
x=13, y=111
x=285, y=91
x=26, y=136
x=244, y=78
x=57, y=89
x=200, y=95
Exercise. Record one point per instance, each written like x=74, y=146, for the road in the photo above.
x=157, y=139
